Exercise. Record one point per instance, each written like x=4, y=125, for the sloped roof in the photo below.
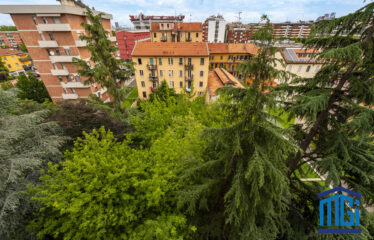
x=7, y=51
x=248, y=48
x=170, y=49
x=192, y=26
x=219, y=77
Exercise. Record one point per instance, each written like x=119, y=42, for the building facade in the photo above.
x=176, y=32
x=17, y=62
x=51, y=34
x=184, y=66
x=228, y=55
x=214, y=29
x=299, y=61
x=142, y=22
x=126, y=41
x=10, y=38
x=292, y=30
x=240, y=33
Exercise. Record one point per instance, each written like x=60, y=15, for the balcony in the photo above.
x=189, y=78
x=152, y=66
x=62, y=58
x=153, y=78
x=59, y=72
x=69, y=96
x=163, y=39
x=188, y=67
x=188, y=39
x=48, y=43
x=55, y=27
x=112, y=39
x=24, y=59
x=80, y=43
x=74, y=85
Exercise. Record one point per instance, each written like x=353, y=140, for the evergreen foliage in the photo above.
x=4, y=71
x=27, y=143
x=108, y=71
x=32, y=88
x=162, y=92
x=7, y=28
x=240, y=189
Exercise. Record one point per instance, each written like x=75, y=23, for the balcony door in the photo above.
x=151, y=61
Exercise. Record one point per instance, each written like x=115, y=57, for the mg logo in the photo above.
x=342, y=208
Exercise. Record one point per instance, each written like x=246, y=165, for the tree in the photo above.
x=22, y=47
x=336, y=133
x=4, y=71
x=8, y=28
x=4, y=46
x=81, y=117
x=240, y=189
x=105, y=189
x=108, y=71
x=163, y=92
x=27, y=143
x=32, y=88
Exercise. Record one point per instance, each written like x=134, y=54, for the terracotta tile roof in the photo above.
x=170, y=49
x=193, y=26
x=8, y=51
x=292, y=55
x=249, y=48
x=219, y=77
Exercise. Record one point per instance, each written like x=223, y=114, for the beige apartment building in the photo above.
x=176, y=32
x=300, y=61
x=183, y=65
x=51, y=35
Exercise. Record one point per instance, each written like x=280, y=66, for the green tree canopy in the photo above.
x=32, y=88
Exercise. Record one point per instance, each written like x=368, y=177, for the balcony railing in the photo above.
x=80, y=43
x=189, y=78
x=153, y=78
x=152, y=66
x=55, y=27
x=69, y=96
x=188, y=39
x=163, y=39
x=62, y=58
x=74, y=85
x=48, y=43
x=59, y=72
x=24, y=59
x=189, y=67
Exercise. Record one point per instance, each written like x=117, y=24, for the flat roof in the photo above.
x=46, y=9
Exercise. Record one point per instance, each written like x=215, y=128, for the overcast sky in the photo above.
x=277, y=10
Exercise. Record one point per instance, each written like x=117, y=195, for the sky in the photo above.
x=199, y=10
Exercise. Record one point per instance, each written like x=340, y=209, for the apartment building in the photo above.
x=228, y=55
x=237, y=32
x=214, y=29
x=300, y=29
x=300, y=61
x=176, y=32
x=10, y=38
x=217, y=78
x=17, y=62
x=51, y=34
x=143, y=22
x=126, y=40
x=183, y=65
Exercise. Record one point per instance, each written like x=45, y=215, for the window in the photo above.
x=63, y=66
x=180, y=73
x=59, y=78
x=77, y=78
x=299, y=68
x=221, y=65
x=56, y=20
x=171, y=84
x=230, y=57
x=307, y=69
x=13, y=58
x=180, y=61
x=151, y=61
x=57, y=52
x=170, y=73
x=65, y=91
x=201, y=61
x=200, y=93
x=35, y=20
x=51, y=36
x=197, y=34
x=181, y=84
x=144, y=94
x=141, y=72
x=170, y=60
x=42, y=36
x=221, y=57
x=72, y=90
x=154, y=35
x=160, y=61
x=201, y=73
x=154, y=84
x=67, y=51
x=45, y=20
x=143, y=84
x=201, y=84
x=4, y=58
x=139, y=61
x=10, y=66
x=215, y=65
x=17, y=64
x=212, y=57
x=161, y=73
